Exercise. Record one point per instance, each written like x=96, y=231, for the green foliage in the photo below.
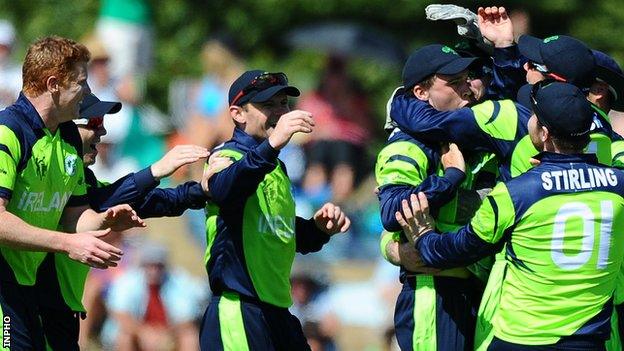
x=258, y=26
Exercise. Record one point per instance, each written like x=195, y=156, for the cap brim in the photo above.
x=100, y=108
x=270, y=92
x=616, y=81
x=457, y=66
x=530, y=48
x=524, y=96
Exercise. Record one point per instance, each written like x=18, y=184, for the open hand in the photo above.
x=296, y=121
x=216, y=163
x=90, y=249
x=495, y=26
x=177, y=157
x=121, y=217
x=331, y=219
x=415, y=219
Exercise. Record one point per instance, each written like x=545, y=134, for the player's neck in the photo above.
x=44, y=106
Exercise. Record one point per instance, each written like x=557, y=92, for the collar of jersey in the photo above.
x=244, y=139
x=31, y=116
x=553, y=157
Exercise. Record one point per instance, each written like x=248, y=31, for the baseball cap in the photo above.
x=433, y=59
x=562, y=108
x=566, y=58
x=259, y=86
x=91, y=107
x=608, y=71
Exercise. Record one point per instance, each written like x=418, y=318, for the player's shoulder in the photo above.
x=230, y=149
x=10, y=120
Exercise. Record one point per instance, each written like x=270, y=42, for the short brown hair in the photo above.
x=427, y=82
x=50, y=56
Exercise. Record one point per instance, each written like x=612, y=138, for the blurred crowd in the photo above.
x=148, y=302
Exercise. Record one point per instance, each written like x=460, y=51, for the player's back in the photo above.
x=565, y=247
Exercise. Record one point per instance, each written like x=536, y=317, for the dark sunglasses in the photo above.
x=261, y=82
x=95, y=123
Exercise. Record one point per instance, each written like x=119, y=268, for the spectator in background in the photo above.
x=209, y=123
x=10, y=73
x=109, y=88
x=97, y=287
x=155, y=307
x=206, y=120
x=310, y=304
x=343, y=127
x=124, y=27
x=316, y=339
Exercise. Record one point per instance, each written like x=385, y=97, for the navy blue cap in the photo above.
x=433, y=59
x=608, y=71
x=562, y=108
x=91, y=106
x=564, y=56
x=255, y=95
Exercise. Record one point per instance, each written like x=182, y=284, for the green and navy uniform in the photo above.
x=60, y=282
x=432, y=312
x=41, y=173
x=252, y=236
x=559, y=222
x=499, y=127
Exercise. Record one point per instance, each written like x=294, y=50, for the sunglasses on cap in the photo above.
x=261, y=82
x=544, y=70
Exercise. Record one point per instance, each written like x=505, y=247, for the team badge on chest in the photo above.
x=70, y=164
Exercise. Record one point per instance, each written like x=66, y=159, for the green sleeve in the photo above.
x=617, y=150
x=401, y=163
x=10, y=154
x=495, y=215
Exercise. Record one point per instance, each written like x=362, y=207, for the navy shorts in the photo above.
x=446, y=310
x=232, y=322
x=60, y=324
x=21, y=327
x=61, y=328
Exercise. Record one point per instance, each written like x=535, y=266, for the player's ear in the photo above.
x=420, y=93
x=236, y=112
x=545, y=134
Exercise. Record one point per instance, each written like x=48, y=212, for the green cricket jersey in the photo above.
x=561, y=223
x=40, y=174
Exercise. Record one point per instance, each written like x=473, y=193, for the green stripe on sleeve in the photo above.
x=8, y=168
x=401, y=162
x=495, y=215
x=499, y=119
x=10, y=140
x=10, y=154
